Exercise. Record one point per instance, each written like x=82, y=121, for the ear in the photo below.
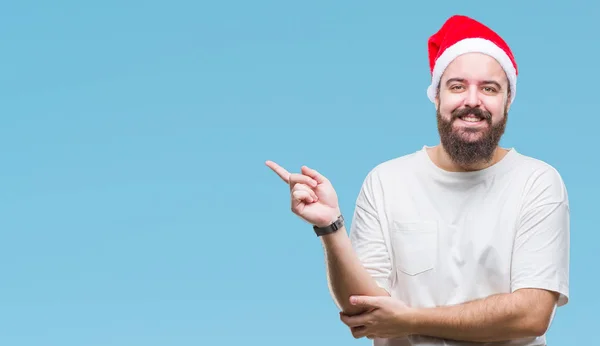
x=438, y=91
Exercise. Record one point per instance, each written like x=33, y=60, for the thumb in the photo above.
x=365, y=301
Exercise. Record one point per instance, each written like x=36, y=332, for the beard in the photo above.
x=460, y=148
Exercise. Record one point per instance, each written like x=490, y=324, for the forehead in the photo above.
x=475, y=67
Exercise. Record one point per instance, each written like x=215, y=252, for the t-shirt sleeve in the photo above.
x=366, y=235
x=542, y=243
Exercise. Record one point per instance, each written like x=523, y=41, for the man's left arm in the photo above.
x=521, y=314
x=539, y=275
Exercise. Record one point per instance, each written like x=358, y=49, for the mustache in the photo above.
x=475, y=111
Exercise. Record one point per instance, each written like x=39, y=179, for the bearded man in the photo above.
x=461, y=243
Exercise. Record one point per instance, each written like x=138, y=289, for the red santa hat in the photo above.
x=460, y=35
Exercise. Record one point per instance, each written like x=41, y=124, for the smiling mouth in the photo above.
x=471, y=118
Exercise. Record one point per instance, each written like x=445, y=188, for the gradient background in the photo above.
x=135, y=205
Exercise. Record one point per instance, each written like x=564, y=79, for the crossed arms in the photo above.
x=524, y=313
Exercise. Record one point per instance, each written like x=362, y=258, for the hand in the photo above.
x=312, y=195
x=385, y=318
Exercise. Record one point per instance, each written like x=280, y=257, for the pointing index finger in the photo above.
x=281, y=172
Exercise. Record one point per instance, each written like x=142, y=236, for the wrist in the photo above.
x=330, y=219
x=329, y=227
x=336, y=241
x=415, y=320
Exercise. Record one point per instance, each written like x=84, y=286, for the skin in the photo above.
x=502, y=317
x=314, y=200
x=472, y=81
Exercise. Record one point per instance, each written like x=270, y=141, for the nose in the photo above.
x=472, y=97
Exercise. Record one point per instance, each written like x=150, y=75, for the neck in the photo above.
x=441, y=158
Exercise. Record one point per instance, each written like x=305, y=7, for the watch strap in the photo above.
x=337, y=224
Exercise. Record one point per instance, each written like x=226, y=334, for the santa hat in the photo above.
x=460, y=35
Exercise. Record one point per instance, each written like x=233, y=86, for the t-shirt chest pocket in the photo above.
x=415, y=245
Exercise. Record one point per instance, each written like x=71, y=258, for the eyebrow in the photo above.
x=462, y=80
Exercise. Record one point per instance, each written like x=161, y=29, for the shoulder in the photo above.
x=401, y=166
x=542, y=181
x=392, y=174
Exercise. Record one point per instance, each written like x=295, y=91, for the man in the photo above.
x=457, y=244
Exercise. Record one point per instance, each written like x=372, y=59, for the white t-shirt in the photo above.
x=432, y=237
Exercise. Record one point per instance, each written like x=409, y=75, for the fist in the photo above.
x=312, y=196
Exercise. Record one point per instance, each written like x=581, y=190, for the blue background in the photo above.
x=136, y=206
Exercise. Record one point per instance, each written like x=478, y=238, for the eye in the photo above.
x=456, y=87
x=490, y=90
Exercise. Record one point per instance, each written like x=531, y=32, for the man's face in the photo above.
x=472, y=108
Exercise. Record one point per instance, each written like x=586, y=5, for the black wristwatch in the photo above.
x=337, y=224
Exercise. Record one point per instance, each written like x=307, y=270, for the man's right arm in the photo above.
x=359, y=263
x=356, y=265
x=345, y=273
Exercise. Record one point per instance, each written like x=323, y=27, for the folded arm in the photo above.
x=521, y=314
x=359, y=263
x=539, y=275
x=346, y=275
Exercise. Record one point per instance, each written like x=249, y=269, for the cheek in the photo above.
x=450, y=102
x=497, y=110
x=446, y=109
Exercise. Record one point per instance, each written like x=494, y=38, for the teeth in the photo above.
x=471, y=119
